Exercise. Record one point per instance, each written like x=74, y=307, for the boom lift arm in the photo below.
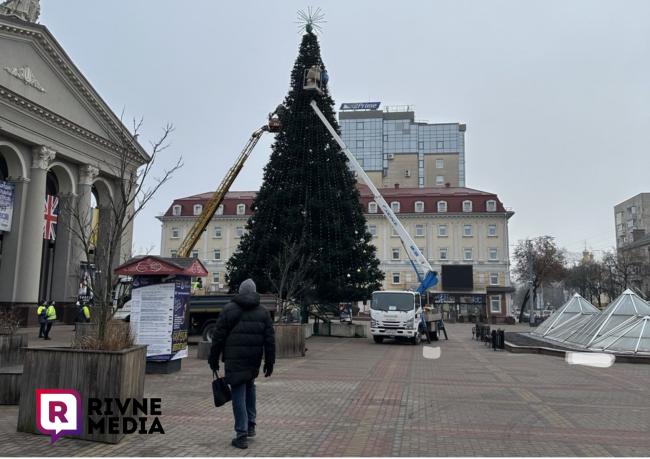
x=217, y=197
x=426, y=275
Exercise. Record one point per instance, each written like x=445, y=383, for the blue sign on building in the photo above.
x=360, y=106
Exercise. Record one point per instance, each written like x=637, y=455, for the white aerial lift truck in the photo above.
x=394, y=313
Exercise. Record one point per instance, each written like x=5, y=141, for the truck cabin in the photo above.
x=395, y=301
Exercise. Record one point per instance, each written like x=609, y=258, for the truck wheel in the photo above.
x=208, y=330
x=434, y=336
x=378, y=339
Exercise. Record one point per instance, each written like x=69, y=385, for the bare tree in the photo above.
x=134, y=185
x=626, y=269
x=538, y=262
x=289, y=275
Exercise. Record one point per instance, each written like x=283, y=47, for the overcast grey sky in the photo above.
x=555, y=94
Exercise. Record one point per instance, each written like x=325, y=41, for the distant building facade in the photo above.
x=632, y=218
x=393, y=148
x=462, y=232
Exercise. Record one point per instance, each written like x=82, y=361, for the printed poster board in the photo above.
x=7, y=193
x=158, y=316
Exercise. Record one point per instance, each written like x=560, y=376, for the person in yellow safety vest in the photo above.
x=50, y=316
x=42, y=322
x=86, y=312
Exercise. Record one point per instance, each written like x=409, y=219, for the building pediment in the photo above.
x=37, y=76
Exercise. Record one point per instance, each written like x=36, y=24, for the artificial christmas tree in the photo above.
x=308, y=202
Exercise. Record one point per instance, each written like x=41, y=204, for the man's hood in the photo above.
x=247, y=301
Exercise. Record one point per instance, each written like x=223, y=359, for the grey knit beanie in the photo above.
x=248, y=286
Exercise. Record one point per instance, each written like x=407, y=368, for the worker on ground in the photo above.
x=50, y=316
x=42, y=321
x=244, y=332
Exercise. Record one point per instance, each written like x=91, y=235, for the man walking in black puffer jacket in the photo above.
x=244, y=332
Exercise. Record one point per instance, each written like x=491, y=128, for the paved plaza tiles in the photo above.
x=351, y=397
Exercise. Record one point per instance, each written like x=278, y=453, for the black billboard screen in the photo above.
x=457, y=277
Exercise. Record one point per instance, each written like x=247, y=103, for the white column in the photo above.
x=32, y=228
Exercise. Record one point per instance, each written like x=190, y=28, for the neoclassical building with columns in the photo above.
x=60, y=145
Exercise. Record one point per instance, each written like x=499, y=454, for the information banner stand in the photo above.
x=160, y=297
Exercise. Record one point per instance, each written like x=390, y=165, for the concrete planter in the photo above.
x=289, y=340
x=93, y=374
x=12, y=349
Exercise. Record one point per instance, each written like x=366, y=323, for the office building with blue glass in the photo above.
x=394, y=149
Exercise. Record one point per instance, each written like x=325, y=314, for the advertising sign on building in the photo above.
x=7, y=193
x=360, y=106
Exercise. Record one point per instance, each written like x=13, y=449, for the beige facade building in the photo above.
x=60, y=146
x=463, y=232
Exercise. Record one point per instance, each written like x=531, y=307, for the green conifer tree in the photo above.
x=308, y=199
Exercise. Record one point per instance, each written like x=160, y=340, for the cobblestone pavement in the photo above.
x=351, y=397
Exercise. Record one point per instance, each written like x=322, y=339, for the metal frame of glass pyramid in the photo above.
x=622, y=313
x=575, y=311
x=632, y=338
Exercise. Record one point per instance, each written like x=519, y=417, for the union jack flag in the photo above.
x=50, y=217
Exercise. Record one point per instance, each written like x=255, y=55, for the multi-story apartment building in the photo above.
x=463, y=232
x=632, y=218
x=394, y=148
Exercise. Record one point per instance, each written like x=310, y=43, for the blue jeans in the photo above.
x=243, y=406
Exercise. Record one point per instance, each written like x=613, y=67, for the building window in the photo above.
x=442, y=231
x=467, y=230
x=176, y=233
x=217, y=232
x=372, y=207
x=359, y=143
x=467, y=206
x=440, y=163
x=491, y=205
x=493, y=254
x=443, y=253
x=216, y=278
x=440, y=144
x=220, y=209
x=395, y=206
x=372, y=229
x=492, y=230
x=395, y=278
x=385, y=137
x=239, y=231
x=216, y=254
x=495, y=304
x=419, y=206
x=195, y=254
x=494, y=278
x=419, y=230
x=241, y=209
x=359, y=125
x=173, y=253
x=176, y=210
x=198, y=208
x=420, y=145
x=440, y=179
x=468, y=254
x=442, y=206
x=396, y=253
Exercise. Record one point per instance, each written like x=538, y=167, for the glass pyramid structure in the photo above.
x=624, y=311
x=575, y=311
x=630, y=338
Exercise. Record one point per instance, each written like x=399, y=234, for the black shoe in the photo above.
x=251, y=430
x=47, y=337
x=240, y=442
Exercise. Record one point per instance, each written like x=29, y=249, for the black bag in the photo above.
x=220, y=391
